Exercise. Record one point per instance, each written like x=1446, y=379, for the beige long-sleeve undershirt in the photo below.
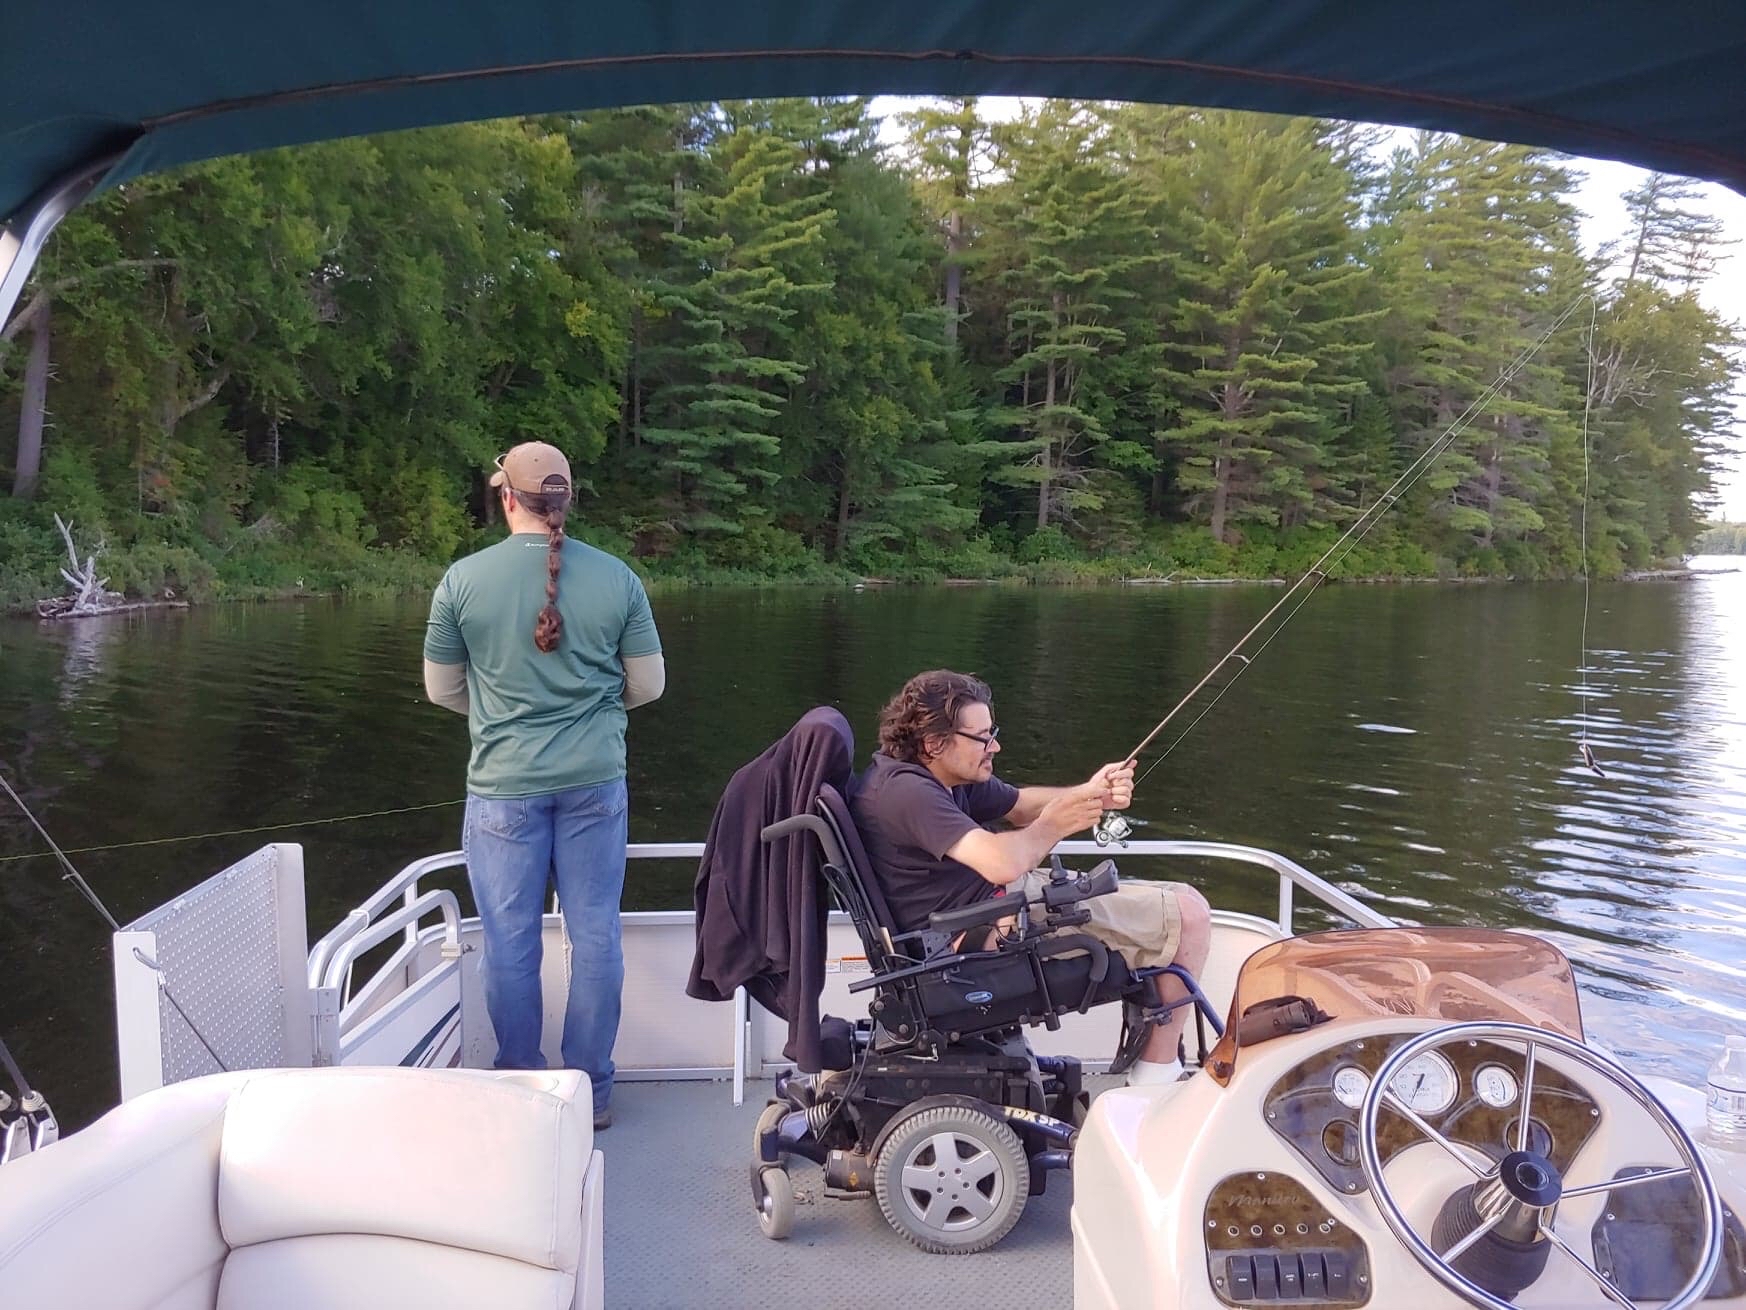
x=645, y=678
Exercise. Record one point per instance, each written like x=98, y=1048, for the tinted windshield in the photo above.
x=1459, y=975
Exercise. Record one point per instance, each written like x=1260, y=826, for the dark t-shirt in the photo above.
x=908, y=821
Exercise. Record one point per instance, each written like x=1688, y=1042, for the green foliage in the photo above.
x=1047, y=545
x=27, y=557
x=157, y=569
x=314, y=503
x=1098, y=342
x=765, y=548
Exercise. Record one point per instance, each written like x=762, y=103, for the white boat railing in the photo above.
x=1291, y=874
x=326, y=953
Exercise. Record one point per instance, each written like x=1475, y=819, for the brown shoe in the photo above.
x=603, y=1119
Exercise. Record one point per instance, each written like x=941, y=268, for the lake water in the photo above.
x=1417, y=745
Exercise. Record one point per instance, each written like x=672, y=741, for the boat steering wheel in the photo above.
x=1516, y=1197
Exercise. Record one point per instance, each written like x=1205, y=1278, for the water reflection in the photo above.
x=1655, y=869
x=82, y=652
x=1416, y=745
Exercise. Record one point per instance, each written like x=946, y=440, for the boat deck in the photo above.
x=681, y=1230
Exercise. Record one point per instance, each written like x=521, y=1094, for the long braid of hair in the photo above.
x=549, y=627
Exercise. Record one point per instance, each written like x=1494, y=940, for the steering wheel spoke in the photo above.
x=1526, y=1116
x=1454, y=1253
x=1605, y=1284
x=1418, y=1121
x=1616, y=1184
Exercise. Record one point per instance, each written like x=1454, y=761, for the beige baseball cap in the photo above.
x=534, y=467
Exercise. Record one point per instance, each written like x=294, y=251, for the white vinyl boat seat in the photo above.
x=337, y=1188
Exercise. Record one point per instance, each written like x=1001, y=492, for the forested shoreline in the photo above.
x=1722, y=539
x=1099, y=341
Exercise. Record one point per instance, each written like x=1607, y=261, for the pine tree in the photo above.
x=865, y=439
x=747, y=257
x=1265, y=336
x=948, y=147
x=1075, y=236
x=1669, y=242
x=1484, y=259
x=1658, y=376
x=634, y=169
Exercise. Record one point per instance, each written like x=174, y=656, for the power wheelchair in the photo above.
x=936, y=1103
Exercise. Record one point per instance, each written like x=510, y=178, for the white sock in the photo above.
x=1149, y=1073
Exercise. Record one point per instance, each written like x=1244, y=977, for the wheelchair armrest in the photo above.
x=1100, y=881
x=973, y=916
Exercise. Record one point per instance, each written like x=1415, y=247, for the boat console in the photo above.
x=1471, y=1094
x=1401, y=1117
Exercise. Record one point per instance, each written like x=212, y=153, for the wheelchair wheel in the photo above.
x=776, y=1208
x=953, y=1179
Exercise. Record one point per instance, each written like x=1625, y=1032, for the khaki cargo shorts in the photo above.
x=1141, y=919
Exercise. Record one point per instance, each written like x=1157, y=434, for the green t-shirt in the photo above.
x=541, y=723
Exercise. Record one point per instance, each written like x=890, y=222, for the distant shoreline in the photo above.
x=660, y=585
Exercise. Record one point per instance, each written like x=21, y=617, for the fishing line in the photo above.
x=1112, y=827
x=227, y=832
x=1583, y=748
x=73, y=876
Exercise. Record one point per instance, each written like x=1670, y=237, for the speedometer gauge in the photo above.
x=1350, y=1084
x=1426, y=1083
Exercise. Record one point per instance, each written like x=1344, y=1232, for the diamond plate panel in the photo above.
x=218, y=949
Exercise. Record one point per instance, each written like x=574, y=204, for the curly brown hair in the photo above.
x=926, y=707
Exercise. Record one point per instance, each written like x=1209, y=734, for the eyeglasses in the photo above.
x=985, y=742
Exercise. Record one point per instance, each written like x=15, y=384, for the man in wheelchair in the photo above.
x=935, y=1103
x=921, y=806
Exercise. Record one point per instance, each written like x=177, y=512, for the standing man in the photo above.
x=544, y=643
x=921, y=806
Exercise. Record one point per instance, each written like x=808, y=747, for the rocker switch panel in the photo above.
x=1270, y=1243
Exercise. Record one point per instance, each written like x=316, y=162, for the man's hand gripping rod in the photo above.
x=1114, y=828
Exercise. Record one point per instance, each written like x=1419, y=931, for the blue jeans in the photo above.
x=515, y=849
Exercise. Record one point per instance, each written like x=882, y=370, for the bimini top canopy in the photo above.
x=156, y=83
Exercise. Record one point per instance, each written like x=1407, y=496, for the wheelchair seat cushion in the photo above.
x=996, y=989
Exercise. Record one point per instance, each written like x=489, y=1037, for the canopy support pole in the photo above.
x=22, y=239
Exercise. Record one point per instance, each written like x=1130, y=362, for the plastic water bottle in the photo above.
x=1725, y=1102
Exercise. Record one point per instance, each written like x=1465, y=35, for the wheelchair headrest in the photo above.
x=820, y=744
x=835, y=811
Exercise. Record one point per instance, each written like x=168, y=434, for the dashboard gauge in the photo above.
x=1350, y=1084
x=1340, y=1141
x=1496, y=1086
x=1539, y=1136
x=1426, y=1083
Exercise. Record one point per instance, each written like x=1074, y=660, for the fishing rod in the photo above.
x=1114, y=827
x=73, y=876
x=26, y=1122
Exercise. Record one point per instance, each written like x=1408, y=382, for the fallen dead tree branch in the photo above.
x=90, y=593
